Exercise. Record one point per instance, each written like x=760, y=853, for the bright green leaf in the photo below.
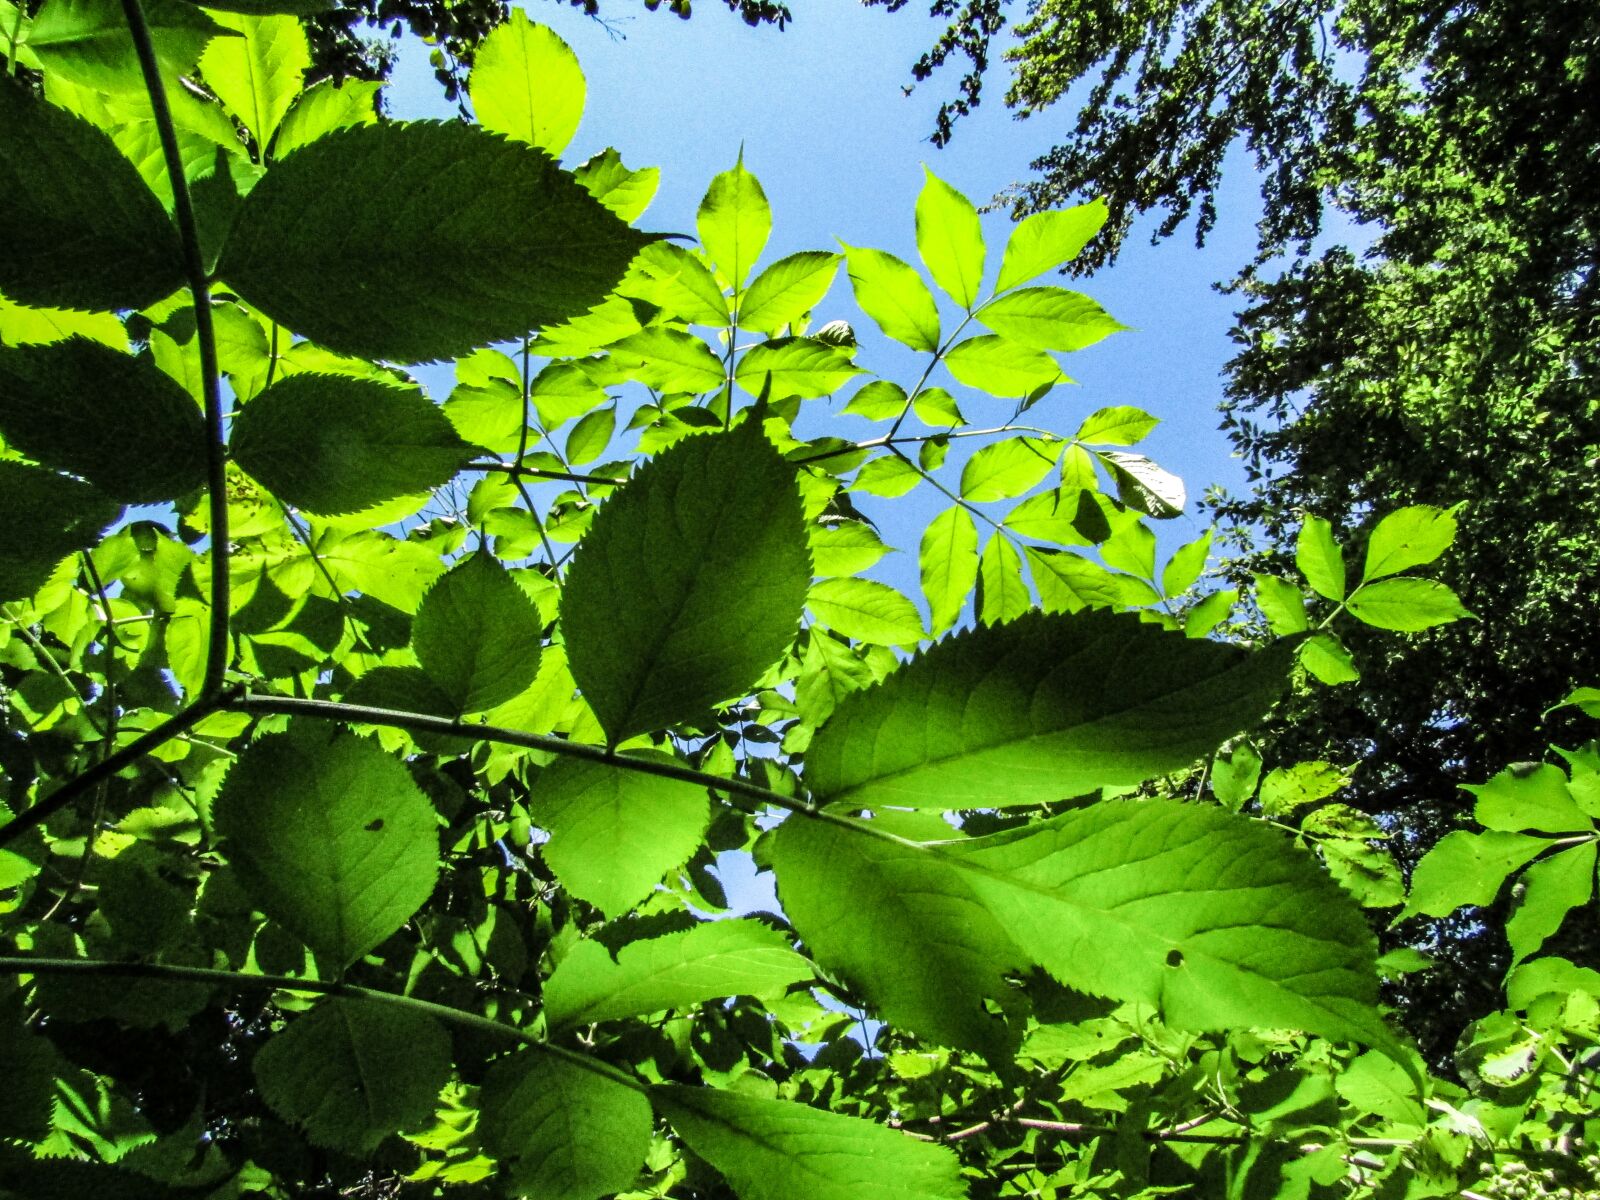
x=1001, y=367
x=1282, y=603
x=1287, y=788
x=866, y=611
x=1325, y=657
x=787, y=290
x=936, y=407
x=679, y=283
x=845, y=547
x=1049, y=318
x=590, y=436
x=670, y=360
x=798, y=366
x=1320, y=559
x=1045, y=241
x=1406, y=605
x=1234, y=776
x=1002, y=592
x=1069, y=583
x=87, y=42
x=526, y=84
x=1529, y=796
x=1209, y=613
x=950, y=239
x=477, y=635
x=948, y=560
x=878, y=400
x=887, y=475
x=890, y=291
x=1006, y=469
x=323, y=108
x=1553, y=886
x=1120, y=425
x=625, y=192
x=257, y=74
x=734, y=222
x=1467, y=868
x=1185, y=565
x=1408, y=537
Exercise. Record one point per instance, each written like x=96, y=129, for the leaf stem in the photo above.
x=515, y=470
x=210, y=380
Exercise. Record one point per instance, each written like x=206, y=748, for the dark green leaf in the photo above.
x=689, y=584
x=336, y=444
x=43, y=518
x=118, y=421
x=87, y=42
x=331, y=838
x=351, y=1072
x=477, y=635
x=472, y=239
x=561, y=1132
x=1038, y=710
x=82, y=229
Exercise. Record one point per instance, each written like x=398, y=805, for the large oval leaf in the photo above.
x=117, y=420
x=477, y=635
x=331, y=838
x=472, y=238
x=82, y=229
x=43, y=518
x=1040, y=709
x=690, y=583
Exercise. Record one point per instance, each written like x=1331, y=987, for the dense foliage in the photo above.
x=372, y=764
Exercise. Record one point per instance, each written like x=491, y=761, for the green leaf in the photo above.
x=331, y=838
x=936, y=407
x=1045, y=241
x=948, y=560
x=866, y=611
x=472, y=239
x=1234, y=776
x=798, y=366
x=787, y=290
x=1049, y=318
x=1374, y=1084
x=1467, y=868
x=259, y=8
x=1008, y=468
x=116, y=420
x=43, y=518
x=1060, y=517
x=1001, y=367
x=1215, y=921
x=901, y=927
x=1210, y=612
x=690, y=583
x=678, y=282
x=711, y=961
x=950, y=239
x=779, y=1150
x=477, y=635
x=888, y=475
x=526, y=84
x=336, y=444
x=614, y=832
x=670, y=360
x=1143, y=485
x=1406, y=605
x=890, y=291
x=1529, y=796
x=351, y=1072
x=1002, y=594
x=590, y=437
x=561, y=1132
x=1344, y=836
x=1553, y=887
x=1120, y=425
x=1068, y=583
x=1585, y=699
x=1320, y=559
x=87, y=42
x=1282, y=603
x=1038, y=710
x=845, y=547
x=1185, y=565
x=561, y=391
x=1325, y=657
x=878, y=400
x=323, y=108
x=1287, y=788
x=257, y=75
x=82, y=229
x=1408, y=537
x=734, y=221
x=21, y=326
x=625, y=192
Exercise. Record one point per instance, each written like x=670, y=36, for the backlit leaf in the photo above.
x=1045, y=241
x=1006, y=469
x=526, y=84
x=866, y=611
x=845, y=547
x=689, y=584
x=950, y=239
x=335, y=444
x=1120, y=425
x=44, y=517
x=1002, y=594
x=1143, y=485
x=734, y=222
x=1554, y=886
x=670, y=360
x=798, y=366
x=948, y=560
x=477, y=635
x=678, y=282
x=1467, y=868
x=1049, y=318
x=1320, y=558
x=1041, y=709
x=500, y=241
x=323, y=108
x=257, y=75
x=625, y=192
x=331, y=838
x=1000, y=367
x=890, y=291
x=787, y=290
x=1406, y=605
x=1408, y=537
x=87, y=42
x=351, y=1072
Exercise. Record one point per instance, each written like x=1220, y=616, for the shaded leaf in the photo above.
x=87, y=42
x=1143, y=485
x=477, y=635
x=43, y=518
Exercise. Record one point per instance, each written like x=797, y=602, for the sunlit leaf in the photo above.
x=890, y=291
x=950, y=239
x=477, y=635
x=734, y=222
x=526, y=84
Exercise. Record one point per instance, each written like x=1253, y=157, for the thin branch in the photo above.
x=516, y=470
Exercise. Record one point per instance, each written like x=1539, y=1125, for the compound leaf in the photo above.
x=689, y=584
x=1408, y=537
x=867, y=611
x=797, y=366
x=1001, y=367
x=1406, y=605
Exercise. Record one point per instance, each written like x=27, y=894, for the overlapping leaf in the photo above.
x=44, y=516
x=477, y=635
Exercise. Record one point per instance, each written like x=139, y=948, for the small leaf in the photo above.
x=734, y=222
x=1282, y=603
x=1003, y=595
x=1143, y=485
x=890, y=291
x=526, y=84
x=1006, y=469
x=590, y=437
x=779, y=1150
x=936, y=407
x=1001, y=367
x=1553, y=886
x=625, y=192
x=1044, y=241
x=1041, y=709
x=331, y=838
x=561, y=1132
x=878, y=400
x=689, y=584
x=798, y=366
x=113, y=418
x=614, y=832
x=1059, y=517
x=1185, y=565
x=1467, y=868
x=888, y=475
x=950, y=239
x=866, y=611
x=787, y=290
x=258, y=73
x=336, y=444
x=1320, y=559
x=1529, y=796
x=351, y=1072
x=82, y=229
x=948, y=560
x=1210, y=612
x=1049, y=318
x=708, y=962
x=1408, y=537
x=1287, y=788
x=845, y=548
x=1406, y=605
x=1585, y=699
x=501, y=241
x=1325, y=657
x=323, y=108
x=670, y=360
x=1121, y=425
x=1234, y=776
x=43, y=518
x=477, y=635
